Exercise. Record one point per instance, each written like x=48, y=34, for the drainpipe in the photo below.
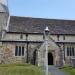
x=27, y=47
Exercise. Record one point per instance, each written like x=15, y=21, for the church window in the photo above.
x=73, y=51
x=22, y=51
x=70, y=51
x=16, y=50
x=19, y=51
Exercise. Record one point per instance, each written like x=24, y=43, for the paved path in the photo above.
x=55, y=71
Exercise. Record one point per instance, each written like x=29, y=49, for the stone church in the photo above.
x=22, y=39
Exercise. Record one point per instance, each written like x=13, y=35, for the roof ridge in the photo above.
x=42, y=18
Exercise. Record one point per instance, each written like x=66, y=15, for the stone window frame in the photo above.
x=19, y=51
x=70, y=51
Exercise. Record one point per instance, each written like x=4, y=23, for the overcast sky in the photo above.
x=53, y=9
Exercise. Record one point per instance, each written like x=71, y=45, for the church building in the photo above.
x=22, y=39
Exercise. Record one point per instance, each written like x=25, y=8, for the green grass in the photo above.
x=69, y=69
x=20, y=69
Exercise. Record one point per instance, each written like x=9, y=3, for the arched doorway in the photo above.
x=50, y=59
x=34, y=57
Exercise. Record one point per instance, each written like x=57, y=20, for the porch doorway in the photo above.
x=50, y=58
x=34, y=57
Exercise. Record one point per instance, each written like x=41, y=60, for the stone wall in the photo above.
x=8, y=48
x=39, y=37
x=8, y=54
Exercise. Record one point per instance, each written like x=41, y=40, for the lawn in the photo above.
x=69, y=69
x=20, y=69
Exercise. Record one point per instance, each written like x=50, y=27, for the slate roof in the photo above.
x=37, y=25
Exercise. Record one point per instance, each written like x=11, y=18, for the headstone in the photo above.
x=73, y=62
